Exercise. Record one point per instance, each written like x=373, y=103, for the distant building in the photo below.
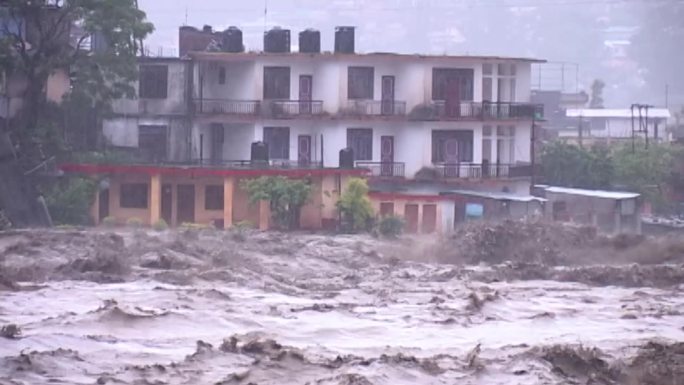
x=616, y=125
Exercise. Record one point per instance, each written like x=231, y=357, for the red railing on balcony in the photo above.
x=478, y=111
x=376, y=108
x=292, y=108
x=384, y=169
x=251, y=164
x=483, y=170
x=227, y=107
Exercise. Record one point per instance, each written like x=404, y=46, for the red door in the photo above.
x=304, y=150
x=453, y=98
x=387, y=95
x=411, y=217
x=451, y=166
x=429, y=219
x=305, y=93
x=387, y=156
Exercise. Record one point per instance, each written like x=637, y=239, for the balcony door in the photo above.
x=386, y=155
x=305, y=93
x=304, y=150
x=388, y=95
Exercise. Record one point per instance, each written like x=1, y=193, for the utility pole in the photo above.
x=580, y=133
x=633, y=133
x=533, y=154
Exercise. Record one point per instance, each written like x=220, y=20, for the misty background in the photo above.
x=635, y=46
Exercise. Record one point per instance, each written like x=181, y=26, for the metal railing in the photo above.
x=250, y=164
x=376, y=108
x=292, y=108
x=384, y=169
x=482, y=170
x=486, y=110
x=227, y=107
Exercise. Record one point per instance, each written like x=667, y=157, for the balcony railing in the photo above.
x=482, y=171
x=249, y=164
x=384, y=169
x=375, y=108
x=227, y=107
x=280, y=109
x=440, y=110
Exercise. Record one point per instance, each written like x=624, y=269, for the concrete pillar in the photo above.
x=420, y=218
x=95, y=208
x=618, y=221
x=155, y=198
x=264, y=215
x=228, y=190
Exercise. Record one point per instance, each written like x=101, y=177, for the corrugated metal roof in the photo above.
x=592, y=193
x=626, y=113
x=496, y=195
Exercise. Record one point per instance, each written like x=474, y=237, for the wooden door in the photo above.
x=387, y=95
x=185, y=205
x=451, y=158
x=167, y=204
x=453, y=98
x=217, y=139
x=304, y=149
x=387, y=155
x=429, y=219
x=411, y=217
x=305, y=93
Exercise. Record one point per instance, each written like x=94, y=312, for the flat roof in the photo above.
x=591, y=193
x=497, y=196
x=227, y=56
x=660, y=113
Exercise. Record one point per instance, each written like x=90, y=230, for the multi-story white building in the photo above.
x=463, y=117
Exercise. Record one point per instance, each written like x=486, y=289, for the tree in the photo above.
x=597, y=94
x=355, y=206
x=568, y=165
x=36, y=42
x=645, y=170
x=286, y=197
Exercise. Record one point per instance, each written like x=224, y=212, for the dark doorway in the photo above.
x=429, y=219
x=411, y=216
x=388, y=95
x=152, y=142
x=387, y=156
x=103, y=200
x=305, y=93
x=167, y=203
x=217, y=140
x=186, y=203
x=304, y=150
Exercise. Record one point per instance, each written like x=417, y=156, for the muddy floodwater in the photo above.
x=209, y=307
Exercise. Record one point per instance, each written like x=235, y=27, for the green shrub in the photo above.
x=160, y=225
x=355, y=207
x=69, y=201
x=286, y=197
x=135, y=223
x=391, y=226
x=109, y=222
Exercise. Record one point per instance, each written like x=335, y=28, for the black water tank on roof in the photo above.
x=347, y=158
x=310, y=41
x=344, y=39
x=259, y=152
x=232, y=40
x=277, y=40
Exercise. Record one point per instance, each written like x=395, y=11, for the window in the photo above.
x=506, y=82
x=452, y=82
x=487, y=144
x=278, y=141
x=487, y=82
x=505, y=144
x=360, y=140
x=154, y=81
x=360, y=83
x=152, y=141
x=222, y=75
x=3, y=82
x=452, y=146
x=277, y=83
x=133, y=196
x=213, y=197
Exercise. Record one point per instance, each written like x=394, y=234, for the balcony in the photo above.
x=440, y=110
x=482, y=171
x=253, y=165
x=288, y=109
x=375, y=108
x=384, y=169
x=227, y=107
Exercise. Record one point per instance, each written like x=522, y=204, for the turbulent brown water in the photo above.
x=231, y=308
